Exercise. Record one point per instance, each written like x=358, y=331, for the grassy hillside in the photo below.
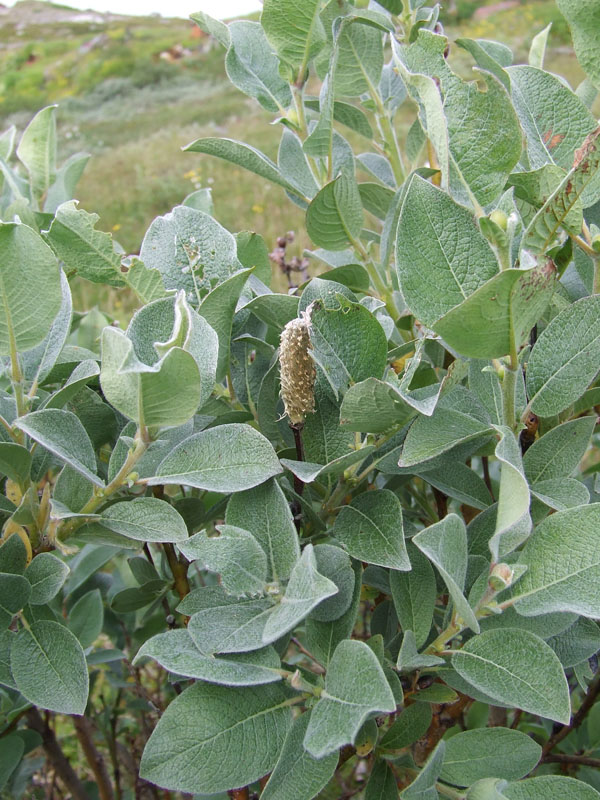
x=133, y=90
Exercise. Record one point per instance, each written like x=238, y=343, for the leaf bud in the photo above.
x=499, y=218
x=298, y=371
x=501, y=577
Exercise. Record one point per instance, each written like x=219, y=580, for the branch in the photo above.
x=56, y=756
x=589, y=700
x=179, y=570
x=85, y=735
x=568, y=758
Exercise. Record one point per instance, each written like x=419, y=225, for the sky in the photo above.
x=168, y=8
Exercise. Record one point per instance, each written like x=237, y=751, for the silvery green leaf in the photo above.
x=482, y=129
x=305, y=590
x=445, y=544
x=146, y=519
x=37, y=150
x=355, y=689
x=218, y=309
x=424, y=399
x=234, y=554
x=423, y=786
x=294, y=166
x=308, y=472
x=348, y=343
x=62, y=433
x=166, y=393
x=14, y=595
x=265, y=512
x=414, y=594
x=146, y=282
x=546, y=786
x=48, y=665
x=46, y=573
x=513, y=523
x=371, y=529
x=213, y=738
x=13, y=747
x=83, y=249
x=499, y=315
x=557, y=453
x=372, y=406
x=382, y=783
x=424, y=90
x=563, y=565
x=295, y=31
x=86, y=618
x=334, y=563
x=543, y=625
x=221, y=623
x=228, y=458
x=29, y=269
x=171, y=322
x=412, y=723
x=81, y=375
x=553, y=118
x=323, y=637
x=175, y=651
x=458, y=419
x=37, y=362
x=489, y=753
x=460, y=482
x=212, y=26
x=565, y=358
x=298, y=775
x=583, y=22
x=15, y=462
x=253, y=68
x=190, y=250
x=441, y=258
x=537, y=49
x=360, y=59
x=244, y=156
x=409, y=658
x=517, y=668
x=335, y=214
x=577, y=643
x=65, y=182
x=561, y=493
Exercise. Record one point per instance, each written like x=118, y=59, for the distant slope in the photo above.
x=50, y=52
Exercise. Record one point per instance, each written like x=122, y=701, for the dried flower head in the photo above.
x=298, y=371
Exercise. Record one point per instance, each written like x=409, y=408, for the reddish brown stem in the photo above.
x=568, y=758
x=85, y=734
x=56, y=756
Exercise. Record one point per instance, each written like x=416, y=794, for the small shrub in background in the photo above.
x=384, y=577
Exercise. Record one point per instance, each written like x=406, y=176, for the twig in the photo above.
x=568, y=758
x=486, y=476
x=319, y=668
x=56, y=756
x=179, y=570
x=85, y=735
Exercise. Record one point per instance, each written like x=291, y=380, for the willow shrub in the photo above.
x=293, y=544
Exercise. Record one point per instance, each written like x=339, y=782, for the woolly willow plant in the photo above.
x=387, y=581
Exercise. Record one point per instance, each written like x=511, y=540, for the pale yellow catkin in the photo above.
x=298, y=371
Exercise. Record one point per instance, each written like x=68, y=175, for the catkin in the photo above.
x=298, y=371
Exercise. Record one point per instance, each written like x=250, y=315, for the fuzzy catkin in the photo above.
x=298, y=371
